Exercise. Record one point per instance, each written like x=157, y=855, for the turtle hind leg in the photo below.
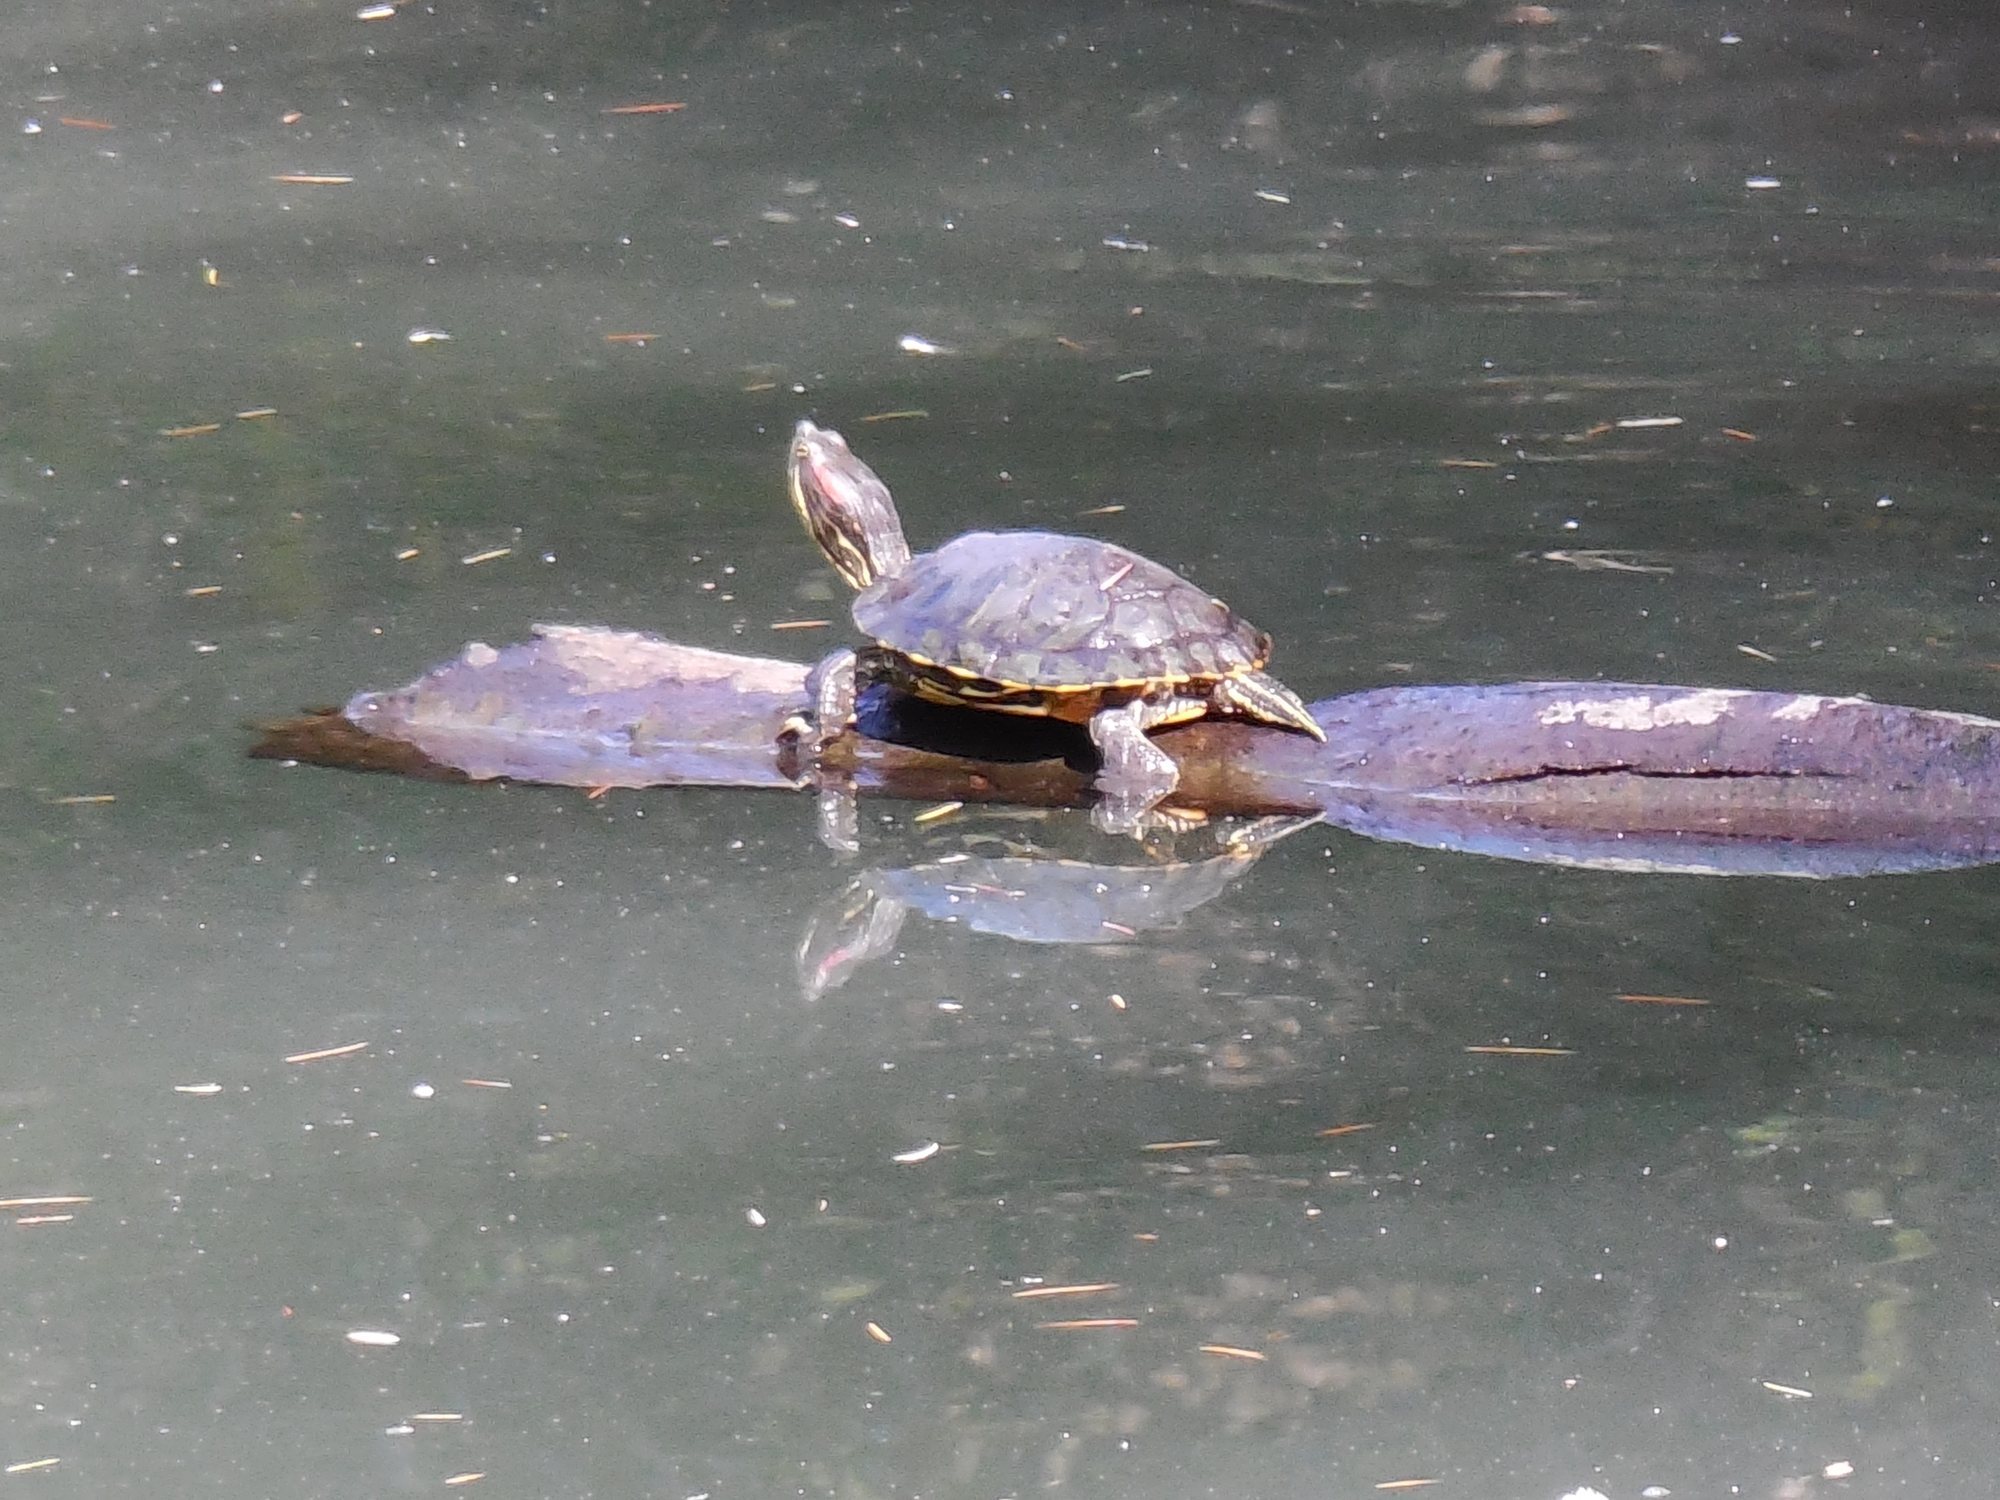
x=1261, y=698
x=1134, y=774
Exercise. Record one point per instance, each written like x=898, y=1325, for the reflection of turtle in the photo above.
x=1030, y=898
x=1030, y=622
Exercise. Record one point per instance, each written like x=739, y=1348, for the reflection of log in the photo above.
x=1644, y=777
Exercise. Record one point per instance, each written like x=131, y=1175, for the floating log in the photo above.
x=1615, y=775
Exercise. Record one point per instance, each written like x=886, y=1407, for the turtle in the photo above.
x=1030, y=622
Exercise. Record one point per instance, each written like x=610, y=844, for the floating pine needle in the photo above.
x=409, y=552
x=1118, y=576
x=325, y=1053
x=916, y=1154
x=1749, y=650
x=1406, y=1484
x=1333, y=1130
x=936, y=814
x=291, y=117
x=203, y=591
x=1064, y=1325
x=486, y=1083
x=199, y=1090
x=1102, y=510
x=630, y=338
x=672, y=108
x=199, y=429
x=1739, y=434
x=1071, y=344
x=1663, y=1000
x=1138, y=374
x=1181, y=1145
x=1072, y=1289
x=1525, y=1051
x=84, y=122
x=761, y=385
x=491, y=554
x=1117, y=929
x=1641, y=424
x=31, y=1465
x=470, y=1476
x=58, y=1200
x=86, y=799
x=29, y=1221
x=800, y=624
x=909, y=414
x=877, y=1332
x=1790, y=1391
x=252, y=413
x=1232, y=1351
x=1602, y=560
x=315, y=179
x=436, y=1416
x=1467, y=463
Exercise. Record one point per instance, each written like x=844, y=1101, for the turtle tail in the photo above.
x=1261, y=697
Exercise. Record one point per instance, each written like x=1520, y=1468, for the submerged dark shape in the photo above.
x=1614, y=775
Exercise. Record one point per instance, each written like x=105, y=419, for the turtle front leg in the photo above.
x=831, y=690
x=1134, y=774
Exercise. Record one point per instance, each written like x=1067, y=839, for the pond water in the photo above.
x=1451, y=342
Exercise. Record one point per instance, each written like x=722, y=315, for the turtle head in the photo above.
x=845, y=507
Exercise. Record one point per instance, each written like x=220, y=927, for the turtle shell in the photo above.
x=1058, y=614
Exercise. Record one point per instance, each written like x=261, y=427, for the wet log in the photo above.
x=1607, y=774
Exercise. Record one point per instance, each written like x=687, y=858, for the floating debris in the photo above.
x=428, y=336
x=1069, y=1289
x=1762, y=184
x=373, y=1338
x=1272, y=195
x=1128, y=246
x=1739, y=434
x=1603, y=560
x=877, y=1332
x=916, y=343
x=346, y=1049
x=1139, y=374
x=1749, y=650
x=755, y=1217
x=199, y=1090
x=917, y=1153
x=1073, y=1324
x=1641, y=424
